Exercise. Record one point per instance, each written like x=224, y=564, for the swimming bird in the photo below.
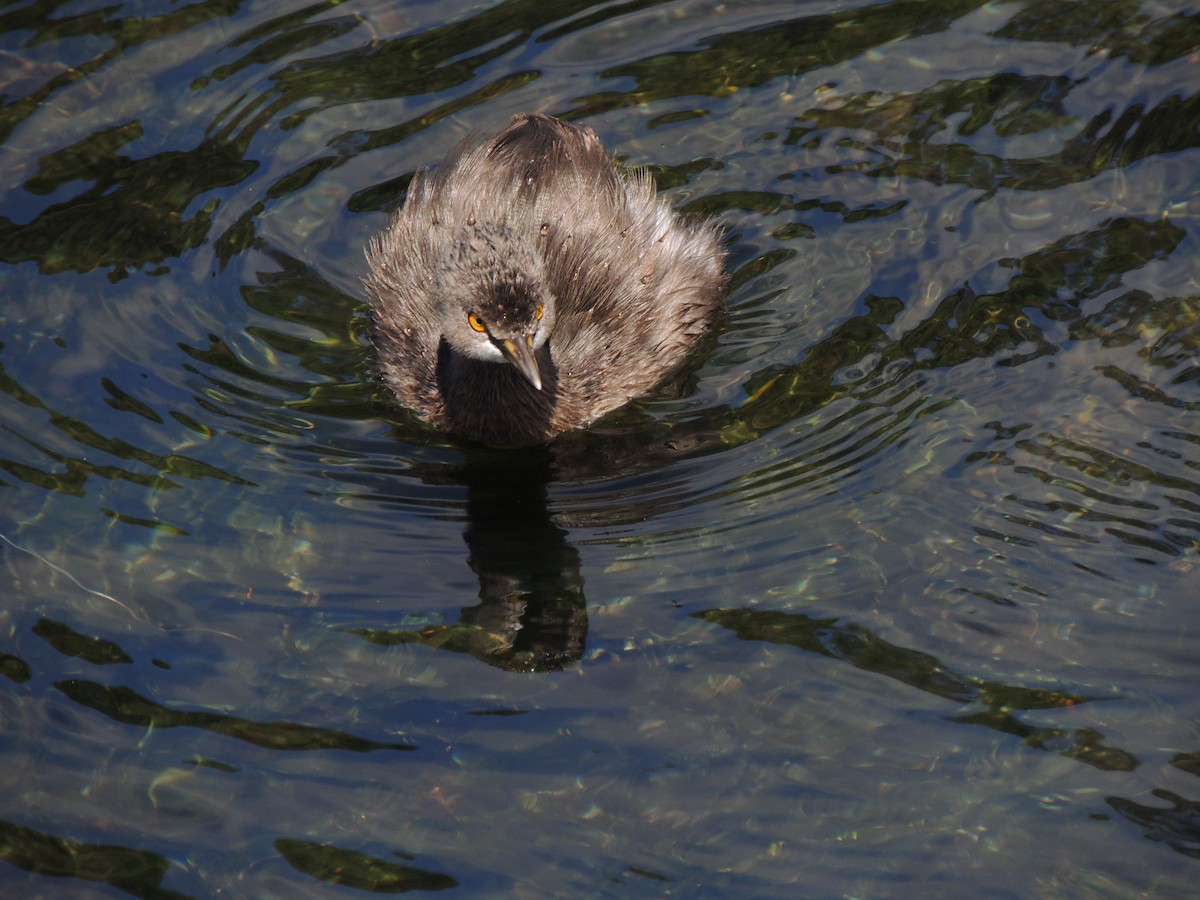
x=529, y=285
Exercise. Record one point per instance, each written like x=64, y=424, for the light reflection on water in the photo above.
x=892, y=587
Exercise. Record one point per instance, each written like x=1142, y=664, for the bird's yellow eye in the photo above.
x=540, y=309
x=476, y=323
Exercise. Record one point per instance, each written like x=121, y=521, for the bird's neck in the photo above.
x=494, y=402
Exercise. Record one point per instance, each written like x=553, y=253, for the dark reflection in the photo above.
x=136, y=872
x=1049, y=284
x=1127, y=319
x=14, y=668
x=747, y=59
x=1187, y=762
x=532, y=614
x=1140, y=529
x=430, y=61
x=125, y=705
x=1177, y=825
x=69, y=642
x=65, y=474
x=298, y=294
x=123, y=402
x=1112, y=27
x=132, y=215
x=350, y=868
x=1013, y=104
x=41, y=22
x=142, y=211
x=295, y=294
x=911, y=126
x=1085, y=745
x=444, y=60
x=643, y=872
x=856, y=645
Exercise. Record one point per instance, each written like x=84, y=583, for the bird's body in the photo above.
x=528, y=286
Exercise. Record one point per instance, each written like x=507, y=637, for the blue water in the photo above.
x=891, y=594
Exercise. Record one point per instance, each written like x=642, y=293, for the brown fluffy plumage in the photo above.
x=529, y=285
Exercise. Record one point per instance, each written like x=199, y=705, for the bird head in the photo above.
x=491, y=296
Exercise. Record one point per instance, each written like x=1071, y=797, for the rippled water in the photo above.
x=894, y=593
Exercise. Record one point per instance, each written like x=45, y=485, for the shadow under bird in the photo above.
x=529, y=285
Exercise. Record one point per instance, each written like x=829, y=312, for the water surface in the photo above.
x=892, y=592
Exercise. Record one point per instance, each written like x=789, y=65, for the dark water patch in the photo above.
x=135, y=214
x=127, y=706
x=856, y=645
x=749, y=59
x=14, y=668
x=139, y=873
x=89, y=648
x=1113, y=27
x=352, y=868
x=66, y=473
x=1176, y=825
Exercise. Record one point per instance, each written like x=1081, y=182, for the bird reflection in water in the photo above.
x=532, y=614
